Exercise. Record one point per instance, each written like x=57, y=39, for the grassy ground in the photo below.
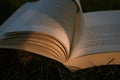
x=17, y=66
x=14, y=66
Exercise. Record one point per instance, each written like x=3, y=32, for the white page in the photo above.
x=101, y=33
x=55, y=17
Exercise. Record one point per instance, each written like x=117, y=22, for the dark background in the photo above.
x=7, y=7
x=20, y=65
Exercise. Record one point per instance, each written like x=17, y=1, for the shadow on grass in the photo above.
x=42, y=68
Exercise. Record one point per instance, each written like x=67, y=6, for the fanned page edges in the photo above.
x=55, y=17
x=39, y=43
x=44, y=27
x=42, y=17
x=47, y=26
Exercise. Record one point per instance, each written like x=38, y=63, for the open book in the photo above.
x=58, y=29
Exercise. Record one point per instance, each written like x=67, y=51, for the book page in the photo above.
x=40, y=44
x=100, y=41
x=55, y=17
x=77, y=31
x=100, y=34
x=90, y=61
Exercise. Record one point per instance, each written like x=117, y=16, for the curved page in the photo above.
x=41, y=44
x=55, y=17
x=100, y=35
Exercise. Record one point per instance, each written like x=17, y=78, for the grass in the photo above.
x=15, y=65
x=42, y=68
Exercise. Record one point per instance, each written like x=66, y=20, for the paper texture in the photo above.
x=101, y=33
x=55, y=17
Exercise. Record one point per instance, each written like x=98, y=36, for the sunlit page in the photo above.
x=55, y=17
x=101, y=33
